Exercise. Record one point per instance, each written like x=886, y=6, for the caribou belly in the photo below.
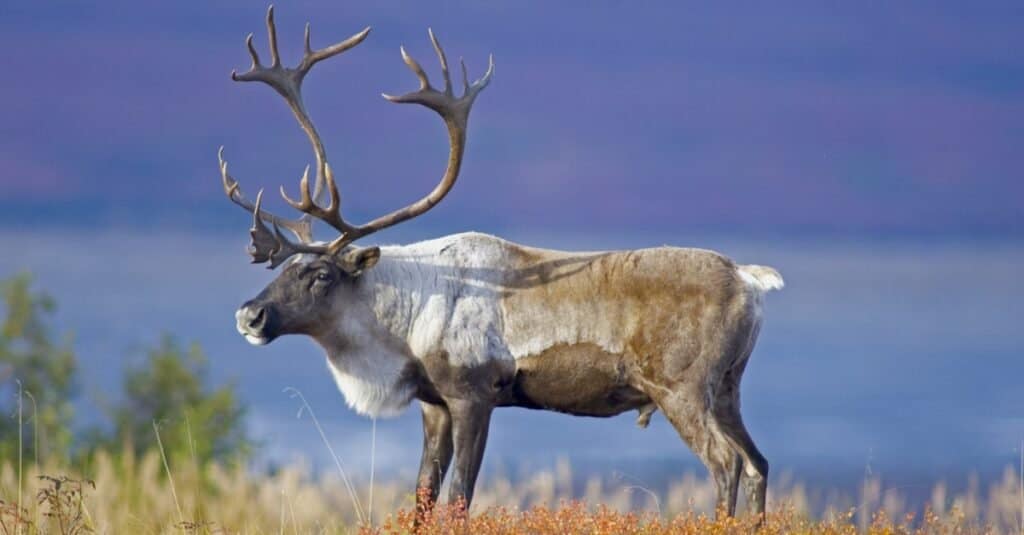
x=579, y=379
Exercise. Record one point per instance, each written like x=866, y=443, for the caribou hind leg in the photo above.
x=754, y=466
x=754, y=474
x=692, y=418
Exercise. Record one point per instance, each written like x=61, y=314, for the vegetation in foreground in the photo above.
x=126, y=493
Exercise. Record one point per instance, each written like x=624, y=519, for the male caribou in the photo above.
x=469, y=322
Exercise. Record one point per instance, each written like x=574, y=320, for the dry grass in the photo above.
x=575, y=518
x=134, y=495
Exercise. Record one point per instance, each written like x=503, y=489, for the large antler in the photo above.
x=455, y=112
x=267, y=246
x=274, y=246
x=288, y=81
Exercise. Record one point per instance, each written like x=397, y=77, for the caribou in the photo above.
x=469, y=322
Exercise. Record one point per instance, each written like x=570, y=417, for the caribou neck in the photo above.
x=399, y=290
x=371, y=370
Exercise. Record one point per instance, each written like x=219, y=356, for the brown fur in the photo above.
x=685, y=324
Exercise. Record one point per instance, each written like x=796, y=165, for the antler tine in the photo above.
x=444, y=62
x=260, y=249
x=274, y=247
x=312, y=57
x=473, y=90
x=332, y=187
x=288, y=83
x=465, y=76
x=307, y=203
x=275, y=56
x=302, y=229
x=414, y=66
x=252, y=53
x=303, y=191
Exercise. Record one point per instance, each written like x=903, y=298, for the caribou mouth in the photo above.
x=256, y=340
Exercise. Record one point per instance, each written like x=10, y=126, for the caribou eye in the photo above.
x=320, y=283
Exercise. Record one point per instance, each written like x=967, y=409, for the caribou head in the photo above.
x=319, y=273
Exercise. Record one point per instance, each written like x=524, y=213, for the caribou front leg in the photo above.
x=437, y=454
x=470, y=421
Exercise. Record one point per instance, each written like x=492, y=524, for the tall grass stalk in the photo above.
x=35, y=440
x=21, y=478
x=373, y=455
x=195, y=464
x=280, y=528
x=649, y=492
x=294, y=393
x=291, y=511
x=167, y=468
x=35, y=427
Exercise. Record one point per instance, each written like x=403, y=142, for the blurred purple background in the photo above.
x=629, y=116
x=873, y=153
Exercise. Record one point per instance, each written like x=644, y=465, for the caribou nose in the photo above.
x=252, y=318
x=258, y=318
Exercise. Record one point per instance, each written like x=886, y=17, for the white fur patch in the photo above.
x=763, y=278
x=429, y=325
x=371, y=385
x=442, y=296
x=569, y=324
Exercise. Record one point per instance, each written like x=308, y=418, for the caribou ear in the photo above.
x=356, y=260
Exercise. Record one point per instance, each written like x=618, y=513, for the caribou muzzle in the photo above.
x=257, y=323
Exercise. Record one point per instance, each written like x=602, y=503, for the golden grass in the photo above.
x=134, y=495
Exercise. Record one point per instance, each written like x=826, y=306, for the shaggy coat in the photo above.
x=469, y=322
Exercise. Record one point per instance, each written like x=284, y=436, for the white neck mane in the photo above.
x=417, y=302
